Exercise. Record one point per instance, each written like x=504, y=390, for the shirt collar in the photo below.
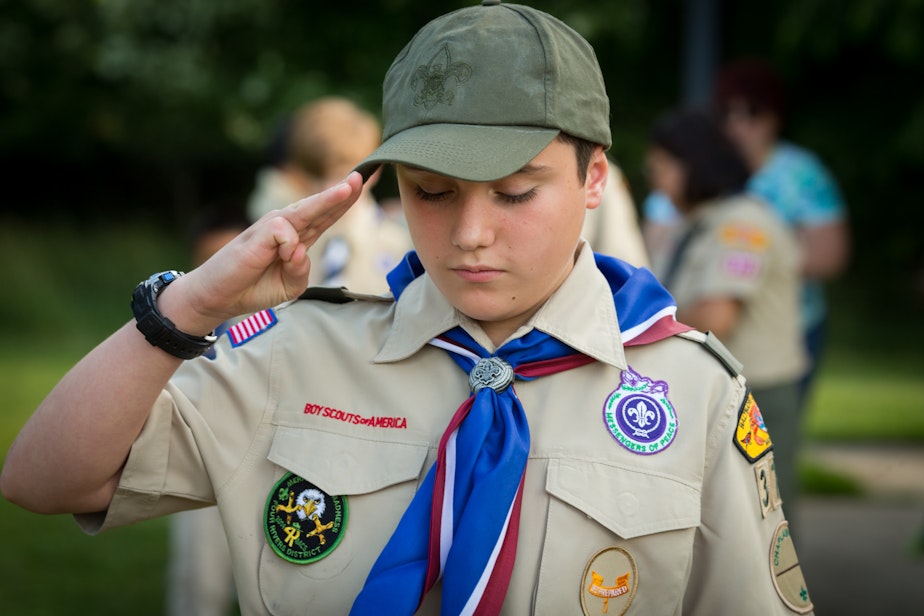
x=580, y=313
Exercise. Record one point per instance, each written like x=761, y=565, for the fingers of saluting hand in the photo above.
x=313, y=215
x=267, y=264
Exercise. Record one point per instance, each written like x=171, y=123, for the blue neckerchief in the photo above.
x=489, y=437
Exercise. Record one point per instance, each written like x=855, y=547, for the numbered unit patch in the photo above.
x=768, y=490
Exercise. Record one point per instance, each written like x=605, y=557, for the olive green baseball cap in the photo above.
x=479, y=92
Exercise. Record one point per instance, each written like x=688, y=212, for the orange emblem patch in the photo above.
x=751, y=435
x=609, y=582
x=748, y=238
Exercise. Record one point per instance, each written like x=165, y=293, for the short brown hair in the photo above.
x=583, y=149
x=753, y=81
x=714, y=167
x=331, y=132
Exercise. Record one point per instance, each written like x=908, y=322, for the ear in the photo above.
x=597, y=172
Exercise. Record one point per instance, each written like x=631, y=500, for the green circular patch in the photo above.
x=787, y=573
x=303, y=523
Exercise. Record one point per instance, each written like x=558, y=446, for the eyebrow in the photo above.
x=531, y=169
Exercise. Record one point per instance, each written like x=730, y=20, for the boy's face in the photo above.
x=666, y=174
x=497, y=250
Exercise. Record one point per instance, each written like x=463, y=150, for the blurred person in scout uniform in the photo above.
x=322, y=141
x=734, y=270
x=750, y=99
x=329, y=429
x=199, y=579
x=612, y=228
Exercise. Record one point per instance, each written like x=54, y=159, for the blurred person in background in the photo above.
x=750, y=99
x=322, y=141
x=277, y=182
x=199, y=577
x=734, y=271
x=613, y=227
x=214, y=227
x=315, y=149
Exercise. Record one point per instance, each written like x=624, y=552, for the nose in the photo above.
x=474, y=224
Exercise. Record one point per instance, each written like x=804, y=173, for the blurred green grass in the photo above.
x=62, y=289
x=868, y=397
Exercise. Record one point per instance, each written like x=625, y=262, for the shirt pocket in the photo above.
x=375, y=480
x=615, y=521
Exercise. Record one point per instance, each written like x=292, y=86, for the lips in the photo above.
x=477, y=273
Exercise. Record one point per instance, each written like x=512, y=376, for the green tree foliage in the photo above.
x=159, y=104
x=855, y=75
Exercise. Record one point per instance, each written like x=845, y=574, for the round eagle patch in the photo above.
x=303, y=523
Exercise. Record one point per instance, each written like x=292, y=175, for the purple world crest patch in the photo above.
x=639, y=415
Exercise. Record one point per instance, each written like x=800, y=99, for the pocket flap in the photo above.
x=627, y=501
x=342, y=464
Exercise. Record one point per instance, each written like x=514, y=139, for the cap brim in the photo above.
x=463, y=151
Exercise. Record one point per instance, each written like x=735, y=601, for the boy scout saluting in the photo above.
x=626, y=469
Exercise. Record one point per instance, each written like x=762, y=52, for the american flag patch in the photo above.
x=252, y=326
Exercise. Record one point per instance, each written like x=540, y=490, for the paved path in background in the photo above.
x=883, y=470
x=858, y=554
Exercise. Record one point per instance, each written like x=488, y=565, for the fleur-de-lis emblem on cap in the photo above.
x=429, y=80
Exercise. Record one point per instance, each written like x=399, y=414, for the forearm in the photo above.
x=825, y=250
x=717, y=315
x=69, y=455
x=78, y=439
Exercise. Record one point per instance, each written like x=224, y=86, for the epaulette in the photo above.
x=342, y=295
x=715, y=346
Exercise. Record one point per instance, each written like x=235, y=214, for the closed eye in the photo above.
x=520, y=198
x=429, y=196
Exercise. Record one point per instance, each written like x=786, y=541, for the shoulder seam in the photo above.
x=712, y=344
x=342, y=295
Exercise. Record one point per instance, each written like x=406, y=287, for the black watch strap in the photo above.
x=158, y=329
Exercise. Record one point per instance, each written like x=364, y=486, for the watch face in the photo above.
x=164, y=278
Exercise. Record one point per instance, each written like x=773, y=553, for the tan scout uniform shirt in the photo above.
x=682, y=530
x=740, y=250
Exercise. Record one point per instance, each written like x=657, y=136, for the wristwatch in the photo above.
x=158, y=329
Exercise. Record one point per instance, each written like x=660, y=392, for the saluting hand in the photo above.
x=264, y=266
